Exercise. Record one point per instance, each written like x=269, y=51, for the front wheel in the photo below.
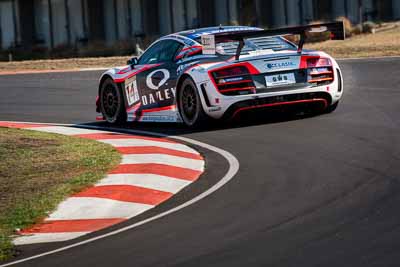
x=112, y=104
x=189, y=105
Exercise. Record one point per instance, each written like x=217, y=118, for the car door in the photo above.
x=157, y=81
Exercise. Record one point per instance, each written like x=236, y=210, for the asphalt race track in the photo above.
x=310, y=191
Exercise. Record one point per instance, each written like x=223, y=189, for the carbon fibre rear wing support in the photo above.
x=336, y=30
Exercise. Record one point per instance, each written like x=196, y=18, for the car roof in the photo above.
x=197, y=33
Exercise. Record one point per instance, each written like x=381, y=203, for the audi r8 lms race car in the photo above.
x=220, y=72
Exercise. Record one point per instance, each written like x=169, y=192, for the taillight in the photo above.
x=318, y=62
x=319, y=70
x=233, y=81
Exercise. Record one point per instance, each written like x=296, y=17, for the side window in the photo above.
x=151, y=55
x=163, y=51
x=169, y=50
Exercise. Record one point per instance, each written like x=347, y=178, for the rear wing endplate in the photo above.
x=209, y=41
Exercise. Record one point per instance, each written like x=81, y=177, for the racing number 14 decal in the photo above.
x=132, y=93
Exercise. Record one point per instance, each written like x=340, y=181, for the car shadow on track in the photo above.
x=248, y=119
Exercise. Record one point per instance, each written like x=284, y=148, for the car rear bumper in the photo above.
x=218, y=106
x=322, y=99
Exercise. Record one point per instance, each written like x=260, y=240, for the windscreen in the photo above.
x=275, y=43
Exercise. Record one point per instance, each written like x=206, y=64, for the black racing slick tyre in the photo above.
x=112, y=103
x=331, y=108
x=189, y=105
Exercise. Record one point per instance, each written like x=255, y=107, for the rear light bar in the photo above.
x=320, y=80
x=321, y=72
x=319, y=69
x=318, y=62
x=234, y=80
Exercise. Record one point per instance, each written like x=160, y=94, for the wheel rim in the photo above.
x=189, y=103
x=110, y=101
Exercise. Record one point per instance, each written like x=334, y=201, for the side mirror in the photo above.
x=132, y=62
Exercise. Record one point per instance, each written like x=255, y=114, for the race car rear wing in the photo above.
x=336, y=30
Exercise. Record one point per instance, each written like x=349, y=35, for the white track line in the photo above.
x=233, y=169
x=150, y=181
x=193, y=164
x=46, y=237
x=142, y=142
x=75, y=208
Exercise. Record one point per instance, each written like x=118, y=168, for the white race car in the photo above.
x=221, y=72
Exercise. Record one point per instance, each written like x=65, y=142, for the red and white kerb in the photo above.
x=152, y=170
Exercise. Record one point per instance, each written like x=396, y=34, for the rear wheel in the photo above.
x=189, y=104
x=112, y=104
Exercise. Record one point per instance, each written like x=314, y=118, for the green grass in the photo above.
x=39, y=170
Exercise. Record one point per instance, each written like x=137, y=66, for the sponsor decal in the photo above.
x=280, y=79
x=131, y=89
x=149, y=79
x=156, y=92
x=183, y=67
x=196, y=34
x=281, y=65
x=161, y=118
x=318, y=29
x=233, y=79
x=158, y=96
x=208, y=42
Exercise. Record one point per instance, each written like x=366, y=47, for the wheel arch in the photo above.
x=119, y=88
x=178, y=89
x=102, y=79
x=106, y=76
x=179, y=84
